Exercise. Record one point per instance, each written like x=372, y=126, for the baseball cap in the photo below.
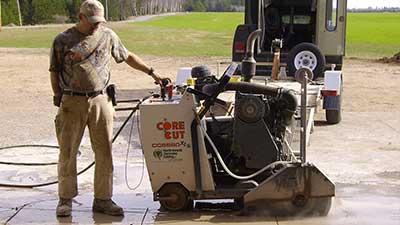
x=93, y=10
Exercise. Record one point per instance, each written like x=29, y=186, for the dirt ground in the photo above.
x=360, y=154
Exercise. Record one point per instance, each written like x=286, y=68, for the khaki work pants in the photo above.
x=74, y=114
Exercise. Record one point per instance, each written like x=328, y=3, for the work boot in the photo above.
x=64, y=207
x=107, y=207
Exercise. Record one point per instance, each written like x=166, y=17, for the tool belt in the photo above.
x=91, y=94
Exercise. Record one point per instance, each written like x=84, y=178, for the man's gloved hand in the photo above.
x=157, y=78
x=57, y=100
x=162, y=81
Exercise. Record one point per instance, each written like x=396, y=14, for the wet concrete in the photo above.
x=354, y=204
x=359, y=157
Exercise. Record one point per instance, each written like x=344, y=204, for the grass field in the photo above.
x=372, y=35
x=369, y=35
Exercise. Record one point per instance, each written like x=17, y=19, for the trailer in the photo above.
x=296, y=34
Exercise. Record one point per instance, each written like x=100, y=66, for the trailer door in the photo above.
x=331, y=27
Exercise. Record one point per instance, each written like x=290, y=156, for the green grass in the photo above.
x=195, y=34
x=372, y=35
x=29, y=38
x=369, y=35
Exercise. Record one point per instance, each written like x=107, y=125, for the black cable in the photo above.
x=86, y=168
x=24, y=146
x=20, y=208
x=29, y=163
x=144, y=216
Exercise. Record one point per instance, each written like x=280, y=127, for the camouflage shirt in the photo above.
x=83, y=61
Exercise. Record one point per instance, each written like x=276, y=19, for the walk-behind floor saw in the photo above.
x=193, y=154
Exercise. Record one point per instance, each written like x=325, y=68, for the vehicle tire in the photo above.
x=306, y=55
x=180, y=198
x=333, y=116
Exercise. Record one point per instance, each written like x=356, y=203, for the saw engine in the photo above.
x=255, y=135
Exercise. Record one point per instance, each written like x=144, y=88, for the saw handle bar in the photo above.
x=139, y=102
x=211, y=99
x=206, y=96
x=163, y=87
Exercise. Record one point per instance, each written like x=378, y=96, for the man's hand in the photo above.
x=57, y=100
x=157, y=78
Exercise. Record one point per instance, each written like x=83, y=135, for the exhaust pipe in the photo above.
x=249, y=63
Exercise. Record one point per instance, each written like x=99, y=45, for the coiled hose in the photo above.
x=134, y=109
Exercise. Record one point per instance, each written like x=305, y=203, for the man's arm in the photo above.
x=54, y=79
x=137, y=63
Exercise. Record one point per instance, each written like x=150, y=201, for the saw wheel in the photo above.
x=176, y=198
x=300, y=206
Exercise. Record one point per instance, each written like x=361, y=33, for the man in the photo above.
x=79, y=74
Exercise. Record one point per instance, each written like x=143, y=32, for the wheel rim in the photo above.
x=179, y=198
x=305, y=59
x=177, y=202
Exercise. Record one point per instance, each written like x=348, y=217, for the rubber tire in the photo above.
x=183, y=202
x=334, y=116
x=319, y=69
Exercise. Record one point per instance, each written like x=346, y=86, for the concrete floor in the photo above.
x=361, y=158
x=353, y=205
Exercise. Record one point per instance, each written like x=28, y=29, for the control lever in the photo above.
x=223, y=81
x=205, y=96
x=164, y=84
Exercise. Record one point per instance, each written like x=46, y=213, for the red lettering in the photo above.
x=175, y=125
x=182, y=134
x=167, y=126
x=175, y=135
x=172, y=130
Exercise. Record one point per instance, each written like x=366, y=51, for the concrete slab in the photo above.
x=359, y=155
x=356, y=204
x=44, y=212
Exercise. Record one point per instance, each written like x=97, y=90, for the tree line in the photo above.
x=65, y=11
x=62, y=11
x=213, y=5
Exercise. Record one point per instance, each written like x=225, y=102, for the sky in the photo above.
x=372, y=3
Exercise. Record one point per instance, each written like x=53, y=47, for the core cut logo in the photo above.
x=172, y=129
